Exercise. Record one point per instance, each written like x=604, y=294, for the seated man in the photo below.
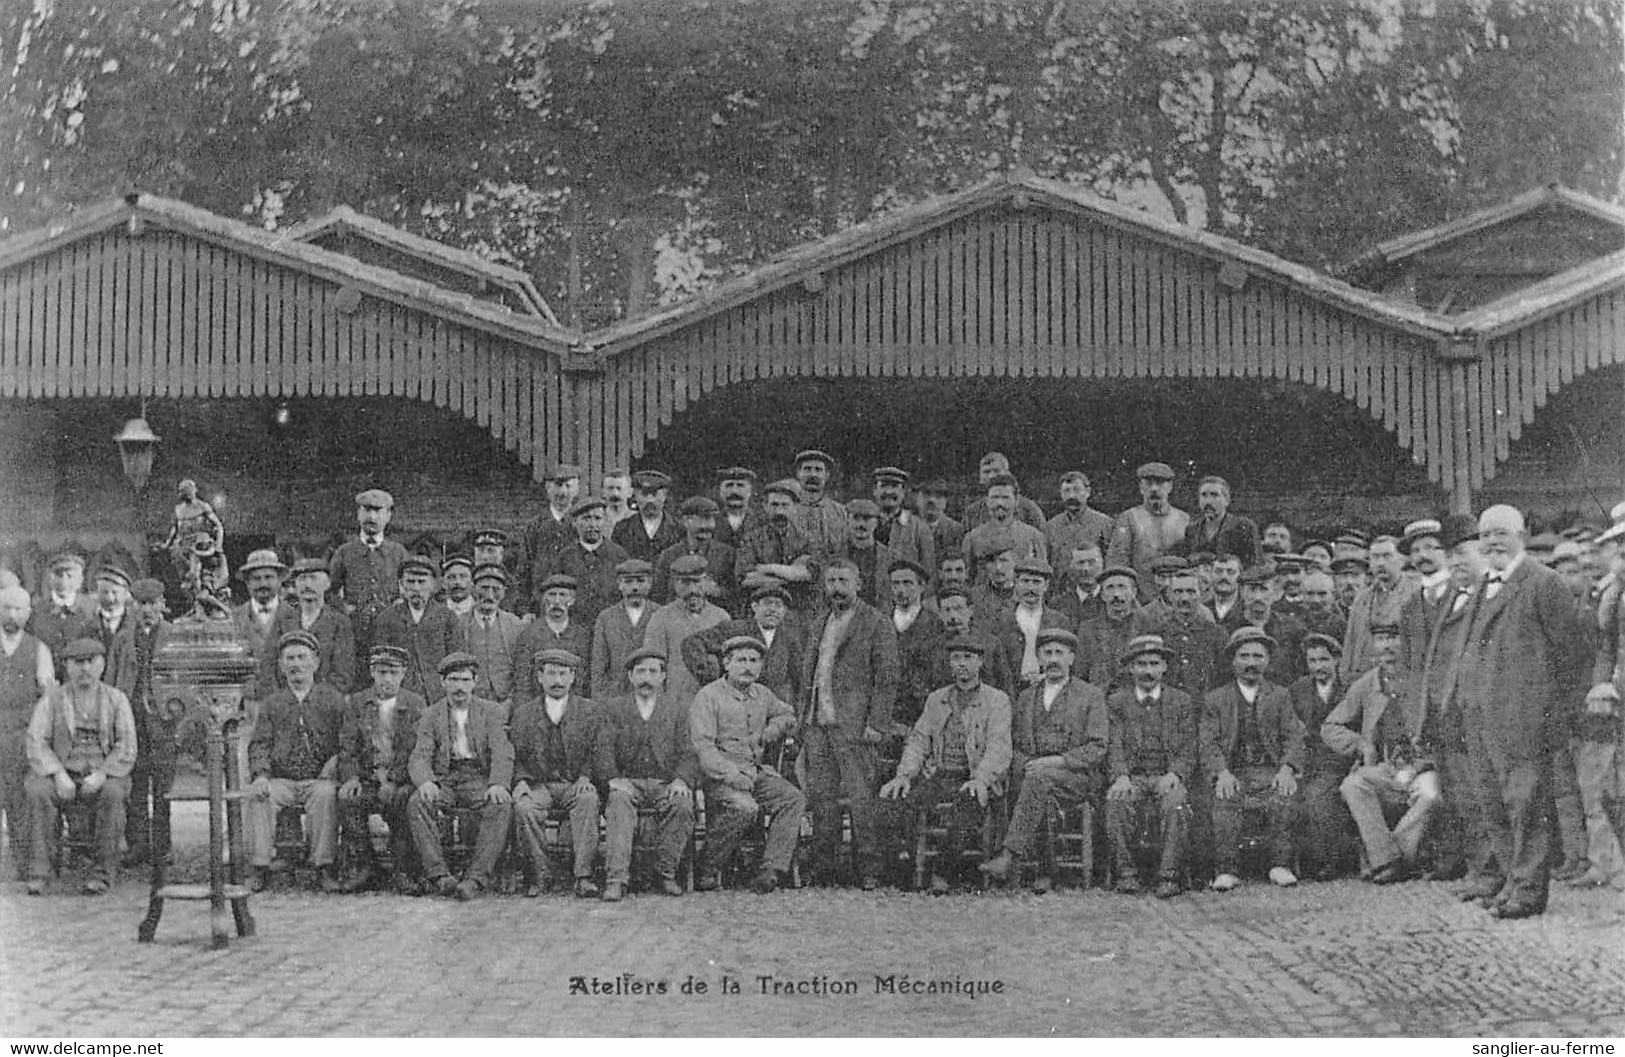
x=1252, y=750
x=729, y=723
x=555, y=744
x=462, y=759
x=645, y=753
x=1058, y=746
x=1327, y=828
x=81, y=746
x=958, y=752
x=1150, y=755
x=375, y=748
x=1384, y=704
x=293, y=759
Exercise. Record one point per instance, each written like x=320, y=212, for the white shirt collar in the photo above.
x=555, y=709
x=1154, y=694
x=1249, y=694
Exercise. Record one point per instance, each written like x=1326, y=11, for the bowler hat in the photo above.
x=1456, y=529
x=262, y=559
x=1249, y=633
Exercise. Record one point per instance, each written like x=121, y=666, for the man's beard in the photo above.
x=1072, y=503
x=10, y=627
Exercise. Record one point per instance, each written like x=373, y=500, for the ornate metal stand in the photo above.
x=199, y=675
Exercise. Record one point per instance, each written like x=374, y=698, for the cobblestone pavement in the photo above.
x=1322, y=959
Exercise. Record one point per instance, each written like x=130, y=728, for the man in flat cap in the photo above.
x=775, y=552
x=1328, y=831
x=978, y=511
x=1163, y=568
x=958, y=621
x=1351, y=574
x=849, y=684
x=490, y=547
x=365, y=572
x=492, y=633
x=293, y=759
x=871, y=557
x=1379, y=723
x=820, y=517
x=114, y=628
x=590, y=557
x=920, y=634
x=736, y=488
x=1218, y=530
x=1078, y=524
x=1252, y=751
x=1076, y=591
x=1319, y=610
x=1017, y=629
x=27, y=671
x=1226, y=606
x=555, y=628
x=901, y=530
x=647, y=757
x=616, y=488
x=674, y=622
x=462, y=758
x=654, y=529
x=1277, y=537
x=619, y=630
x=1102, y=641
x=699, y=514
x=81, y=746
x=376, y=740
x=335, y=650
x=457, y=585
x=1189, y=632
x=1058, y=738
x=947, y=534
x=958, y=753
x=1381, y=602
x=994, y=593
x=146, y=819
x=1421, y=546
x=785, y=641
x=1002, y=531
x=256, y=619
x=64, y=612
x=551, y=529
x=555, y=746
x=730, y=723
x=1153, y=527
x=413, y=622
x=1258, y=610
x=1151, y=760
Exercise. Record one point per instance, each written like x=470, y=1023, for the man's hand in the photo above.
x=1168, y=783
x=581, y=786
x=351, y=789
x=896, y=789
x=260, y=788
x=65, y=789
x=1285, y=782
x=1226, y=785
x=1121, y=789
x=521, y=790
x=873, y=736
x=430, y=792
x=975, y=787
x=1041, y=762
x=497, y=794
x=678, y=790
x=94, y=781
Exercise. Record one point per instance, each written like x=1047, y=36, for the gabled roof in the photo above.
x=1545, y=298
x=346, y=221
x=863, y=239
x=278, y=248
x=1398, y=249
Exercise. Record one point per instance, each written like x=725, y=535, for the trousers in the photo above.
x=1044, y=781
x=1515, y=798
x=320, y=799
x=530, y=825
x=465, y=790
x=730, y=813
x=1370, y=789
x=673, y=819
x=389, y=803
x=836, y=766
x=1280, y=814
x=45, y=812
x=1125, y=816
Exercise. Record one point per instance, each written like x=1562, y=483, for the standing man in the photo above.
x=730, y=722
x=699, y=538
x=920, y=636
x=901, y=530
x=81, y=746
x=616, y=488
x=653, y=530
x=786, y=643
x=425, y=631
x=492, y=635
x=365, y=573
x=1258, y=610
x=491, y=548
x=590, y=558
x=871, y=557
x=675, y=621
x=954, y=607
x=146, y=817
x=457, y=585
x=1078, y=525
x=735, y=488
x=113, y=627
x=1018, y=629
x=26, y=673
x=821, y=518
x=774, y=552
x=1218, y=531
x=1325, y=818
x=618, y=632
x=555, y=747
x=550, y=530
x=461, y=758
x=1155, y=527
x=1002, y=531
x=946, y=534
x=1351, y=574
x=1194, y=641
x=64, y=612
x=1077, y=594
x=256, y=619
x=376, y=741
x=1526, y=658
x=556, y=628
x=647, y=757
x=1104, y=641
x=995, y=464
x=1421, y=608
x=335, y=642
x=1382, y=602
x=849, y=677
x=1228, y=612
x=1252, y=750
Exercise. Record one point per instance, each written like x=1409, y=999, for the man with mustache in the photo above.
x=958, y=621
x=555, y=756
x=1258, y=610
x=146, y=818
x=1252, y=751
x=492, y=633
x=1077, y=591
x=1191, y=636
x=1078, y=525
x=920, y=633
x=775, y=552
x=616, y=488
x=26, y=673
x=1320, y=612
x=821, y=518
x=674, y=622
x=1228, y=611
x=1351, y=573
x=736, y=488
x=426, y=632
x=996, y=464
x=64, y=612
x=1219, y=531
x=769, y=624
x=550, y=530
x=1017, y=629
x=376, y=740
x=262, y=572
x=1327, y=826
x=871, y=557
x=1381, y=602
x=365, y=574
x=699, y=515
x=335, y=639
x=1154, y=527
x=619, y=630
x=653, y=530
x=947, y=534
x=590, y=558
x=555, y=628
x=1103, y=640
x=457, y=586
x=901, y=530
x=1058, y=736
x=1002, y=531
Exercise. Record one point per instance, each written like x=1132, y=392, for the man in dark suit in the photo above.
x=115, y=627
x=1016, y=629
x=1258, y=611
x=335, y=639
x=619, y=630
x=699, y=515
x=1252, y=752
x=365, y=571
x=1218, y=531
x=653, y=529
x=786, y=643
x=646, y=756
x=1102, y=642
x=555, y=628
x=1522, y=674
x=920, y=634
x=426, y=632
x=375, y=752
x=64, y=612
x=848, y=687
x=590, y=558
x=146, y=814
x=1327, y=827
x=548, y=532
x=555, y=750
x=735, y=488
x=262, y=573
x=1076, y=592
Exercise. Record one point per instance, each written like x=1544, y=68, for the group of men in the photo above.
x=1439, y=700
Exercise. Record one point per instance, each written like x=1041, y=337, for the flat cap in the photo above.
x=770, y=591
x=1249, y=633
x=563, y=471
x=1163, y=564
x=863, y=508
x=1290, y=560
x=554, y=655
x=561, y=580
x=1201, y=558
x=1384, y=628
x=935, y=487
x=1058, y=635
x=1256, y=574
x=743, y=642
x=689, y=567
x=309, y=565
x=644, y=653
x=913, y=567
x=1119, y=570
x=261, y=559
x=85, y=648
x=1417, y=530
x=298, y=637
x=587, y=504
x=1568, y=551
x=784, y=486
x=113, y=574
x=651, y=480
x=736, y=473
x=1328, y=642
x=415, y=563
x=454, y=560
x=1544, y=543
x=1075, y=475
x=1143, y=644
x=388, y=657
x=457, y=661
x=375, y=498
x=814, y=455
x=699, y=506
x=1154, y=471
x=1353, y=538
x=1034, y=567
x=634, y=567
x=491, y=571
x=967, y=644
x=490, y=538
x=147, y=591
x=895, y=474
x=63, y=559
x=1351, y=561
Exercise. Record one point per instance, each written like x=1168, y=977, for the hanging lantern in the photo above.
x=136, y=445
